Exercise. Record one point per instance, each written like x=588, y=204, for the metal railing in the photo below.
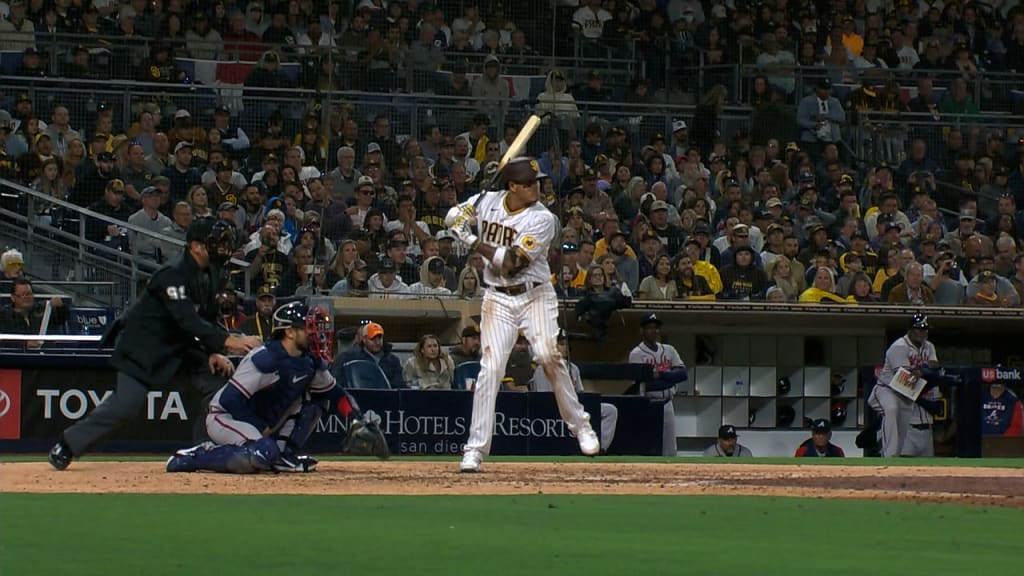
x=70, y=254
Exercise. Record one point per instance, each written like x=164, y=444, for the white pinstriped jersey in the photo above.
x=531, y=229
x=664, y=357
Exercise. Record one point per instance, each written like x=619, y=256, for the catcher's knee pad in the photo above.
x=305, y=424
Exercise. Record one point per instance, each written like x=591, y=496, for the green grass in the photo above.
x=535, y=535
x=969, y=462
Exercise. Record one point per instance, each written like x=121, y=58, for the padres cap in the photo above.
x=521, y=169
x=471, y=332
x=266, y=291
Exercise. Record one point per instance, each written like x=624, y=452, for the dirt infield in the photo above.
x=982, y=486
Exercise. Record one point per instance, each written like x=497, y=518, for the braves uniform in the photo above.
x=740, y=451
x=918, y=441
x=897, y=410
x=264, y=394
x=1001, y=415
x=264, y=415
x=525, y=301
x=665, y=360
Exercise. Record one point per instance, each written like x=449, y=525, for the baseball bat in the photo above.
x=517, y=148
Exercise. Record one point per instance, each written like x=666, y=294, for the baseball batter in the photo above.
x=915, y=353
x=515, y=236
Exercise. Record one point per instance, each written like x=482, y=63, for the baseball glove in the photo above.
x=365, y=438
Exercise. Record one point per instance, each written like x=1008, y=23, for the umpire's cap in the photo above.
x=521, y=169
x=919, y=321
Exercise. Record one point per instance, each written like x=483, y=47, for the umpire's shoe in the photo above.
x=60, y=455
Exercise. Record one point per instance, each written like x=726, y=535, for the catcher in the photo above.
x=261, y=419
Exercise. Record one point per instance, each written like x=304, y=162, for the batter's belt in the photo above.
x=516, y=289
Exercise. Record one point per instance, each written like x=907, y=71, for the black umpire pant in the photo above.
x=126, y=403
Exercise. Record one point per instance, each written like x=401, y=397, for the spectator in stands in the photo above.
x=372, y=348
x=823, y=290
x=491, y=92
x=776, y=64
x=1004, y=292
x=431, y=279
x=17, y=32
x=468, y=348
x=95, y=175
x=12, y=265
x=959, y=102
x=468, y=283
x=181, y=219
x=660, y=285
x=148, y=217
x=819, y=117
x=202, y=41
x=114, y=209
x=557, y=100
x=181, y=174
x=986, y=295
x=912, y=290
x=25, y=317
x=199, y=200
x=780, y=273
x=60, y=131
x=386, y=283
x=743, y=280
x=429, y=367
x=261, y=323
x=267, y=260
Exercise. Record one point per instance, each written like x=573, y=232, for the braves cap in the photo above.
x=821, y=425
x=727, y=431
x=651, y=318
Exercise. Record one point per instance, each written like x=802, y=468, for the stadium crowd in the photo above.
x=784, y=208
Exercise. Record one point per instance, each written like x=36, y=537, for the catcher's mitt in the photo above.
x=365, y=438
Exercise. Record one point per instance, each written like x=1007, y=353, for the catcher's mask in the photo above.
x=320, y=333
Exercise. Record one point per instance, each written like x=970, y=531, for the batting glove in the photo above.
x=465, y=234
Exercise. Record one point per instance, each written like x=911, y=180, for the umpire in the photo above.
x=164, y=330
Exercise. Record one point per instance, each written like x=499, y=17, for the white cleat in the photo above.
x=589, y=443
x=471, y=461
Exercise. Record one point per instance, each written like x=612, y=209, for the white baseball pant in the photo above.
x=502, y=315
x=223, y=429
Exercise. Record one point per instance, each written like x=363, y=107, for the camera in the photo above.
x=953, y=271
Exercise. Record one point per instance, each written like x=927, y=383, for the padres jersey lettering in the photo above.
x=498, y=235
x=529, y=230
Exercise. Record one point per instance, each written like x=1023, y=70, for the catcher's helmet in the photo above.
x=838, y=413
x=315, y=321
x=919, y=321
